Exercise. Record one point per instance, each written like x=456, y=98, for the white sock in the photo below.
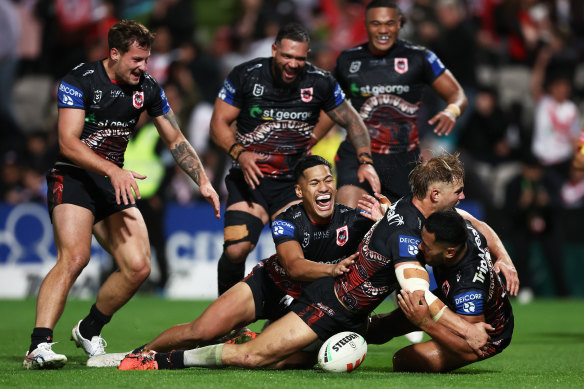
x=204, y=356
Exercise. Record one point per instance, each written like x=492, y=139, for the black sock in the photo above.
x=228, y=273
x=171, y=360
x=91, y=326
x=40, y=335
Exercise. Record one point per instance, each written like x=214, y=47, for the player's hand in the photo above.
x=370, y=207
x=124, y=183
x=251, y=171
x=209, y=193
x=367, y=172
x=505, y=266
x=415, y=308
x=343, y=266
x=444, y=121
x=477, y=337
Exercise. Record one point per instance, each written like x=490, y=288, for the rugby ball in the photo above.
x=342, y=352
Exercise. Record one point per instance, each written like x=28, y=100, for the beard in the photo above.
x=279, y=80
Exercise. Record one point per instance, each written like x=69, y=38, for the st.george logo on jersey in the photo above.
x=342, y=235
x=400, y=65
x=138, y=99
x=306, y=94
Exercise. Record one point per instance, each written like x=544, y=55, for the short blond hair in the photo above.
x=446, y=168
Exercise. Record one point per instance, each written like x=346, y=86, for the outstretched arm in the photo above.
x=185, y=156
x=346, y=116
x=299, y=268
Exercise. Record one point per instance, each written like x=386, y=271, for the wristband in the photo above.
x=235, y=151
x=365, y=159
x=454, y=110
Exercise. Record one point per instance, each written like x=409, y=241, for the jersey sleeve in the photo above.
x=283, y=229
x=469, y=301
x=71, y=93
x=334, y=95
x=158, y=105
x=404, y=246
x=433, y=67
x=230, y=92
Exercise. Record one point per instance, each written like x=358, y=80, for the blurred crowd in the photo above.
x=519, y=62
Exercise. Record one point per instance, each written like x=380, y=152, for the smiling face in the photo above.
x=289, y=60
x=383, y=25
x=448, y=194
x=129, y=67
x=316, y=187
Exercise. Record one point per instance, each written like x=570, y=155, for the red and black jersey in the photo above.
x=386, y=89
x=276, y=121
x=328, y=243
x=472, y=287
x=393, y=239
x=111, y=109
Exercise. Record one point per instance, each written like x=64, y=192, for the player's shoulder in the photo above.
x=353, y=52
x=411, y=48
x=292, y=214
x=251, y=66
x=316, y=72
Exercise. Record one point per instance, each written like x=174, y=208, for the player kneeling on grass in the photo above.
x=467, y=284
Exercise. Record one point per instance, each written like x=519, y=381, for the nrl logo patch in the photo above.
x=400, y=65
x=306, y=94
x=355, y=66
x=96, y=96
x=258, y=90
x=138, y=99
x=342, y=235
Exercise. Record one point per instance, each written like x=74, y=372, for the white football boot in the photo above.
x=95, y=346
x=107, y=360
x=43, y=357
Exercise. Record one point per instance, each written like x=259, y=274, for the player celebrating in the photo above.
x=468, y=284
x=328, y=305
x=275, y=103
x=313, y=239
x=90, y=192
x=384, y=79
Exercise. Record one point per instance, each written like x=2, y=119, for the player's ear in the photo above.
x=274, y=49
x=114, y=54
x=434, y=194
x=298, y=191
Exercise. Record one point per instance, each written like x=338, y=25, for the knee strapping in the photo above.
x=241, y=227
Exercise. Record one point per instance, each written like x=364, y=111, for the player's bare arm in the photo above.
x=323, y=126
x=291, y=256
x=416, y=309
x=70, y=124
x=452, y=93
x=185, y=156
x=413, y=277
x=502, y=260
x=578, y=161
x=223, y=134
x=346, y=116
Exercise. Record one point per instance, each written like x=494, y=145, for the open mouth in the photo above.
x=136, y=75
x=289, y=75
x=324, y=202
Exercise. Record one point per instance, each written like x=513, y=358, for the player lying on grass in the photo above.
x=467, y=283
x=313, y=239
x=331, y=305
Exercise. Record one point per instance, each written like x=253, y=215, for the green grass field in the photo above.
x=547, y=351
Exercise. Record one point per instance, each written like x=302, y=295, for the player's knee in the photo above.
x=75, y=263
x=242, y=232
x=137, y=269
x=253, y=360
x=201, y=332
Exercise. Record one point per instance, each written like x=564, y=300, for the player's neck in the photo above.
x=109, y=67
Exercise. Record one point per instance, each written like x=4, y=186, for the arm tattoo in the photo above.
x=170, y=116
x=346, y=116
x=187, y=159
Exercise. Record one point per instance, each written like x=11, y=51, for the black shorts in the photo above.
x=393, y=170
x=270, y=302
x=272, y=193
x=499, y=343
x=73, y=185
x=320, y=309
